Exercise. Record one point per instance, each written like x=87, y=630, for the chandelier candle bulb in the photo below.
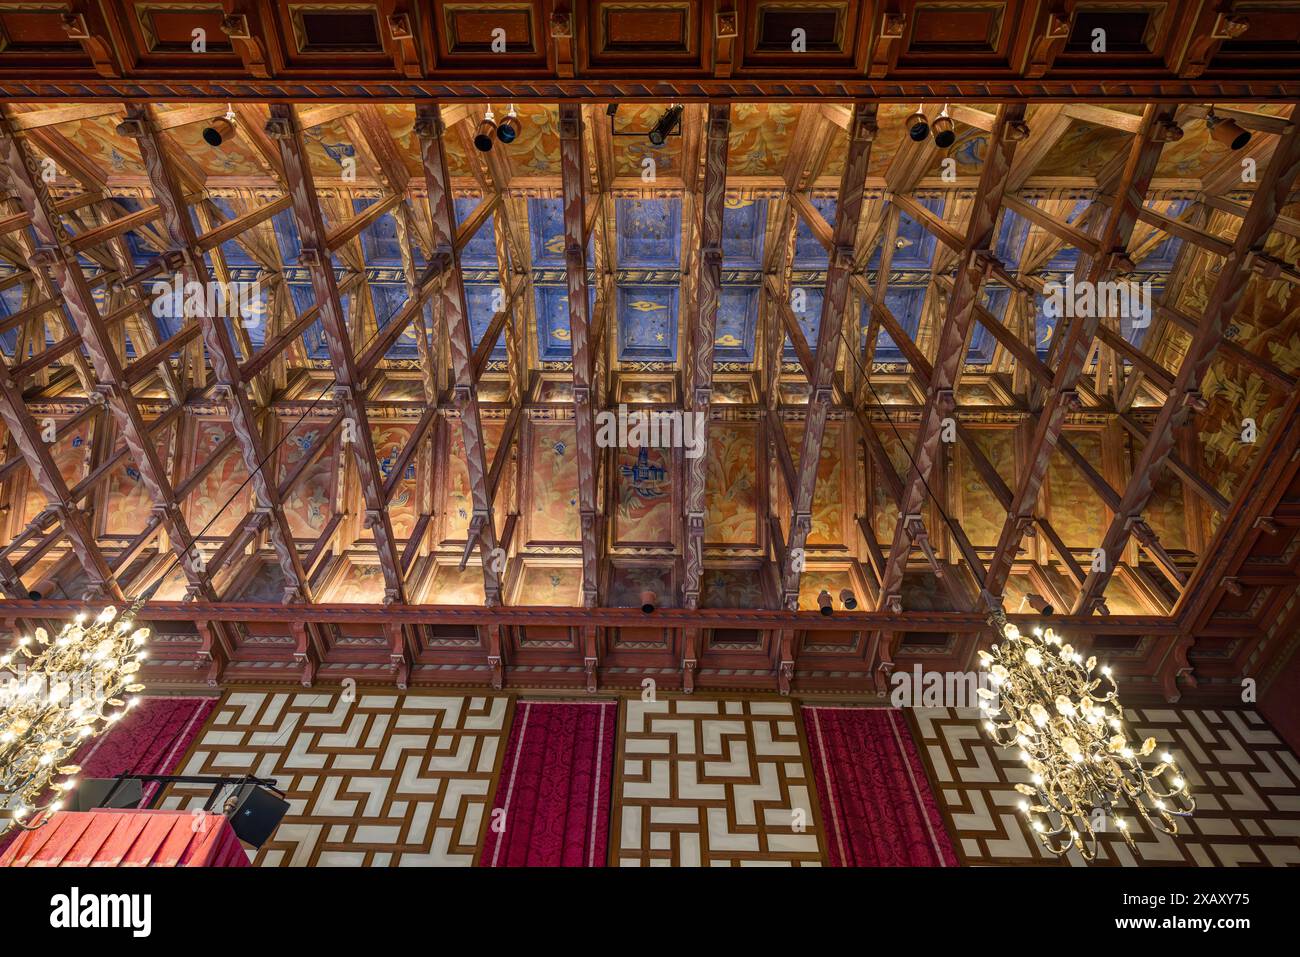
x=1064, y=716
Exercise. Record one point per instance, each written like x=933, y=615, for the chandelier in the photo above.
x=68, y=690
x=1064, y=717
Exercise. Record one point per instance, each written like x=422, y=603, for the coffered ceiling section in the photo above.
x=338, y=355
x=643, y=49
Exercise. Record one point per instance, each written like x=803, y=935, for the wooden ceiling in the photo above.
x=389, y=470
x=649, y=49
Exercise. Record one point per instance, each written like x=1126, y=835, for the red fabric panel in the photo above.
x=151, y=739
x=555, y=787
x=128, y=839
x=877, y=807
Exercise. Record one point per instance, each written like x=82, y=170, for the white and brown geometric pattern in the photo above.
x=1245, y=780
x=400, y=779
x=706, y=782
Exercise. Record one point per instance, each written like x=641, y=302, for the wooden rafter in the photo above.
x=848, y=211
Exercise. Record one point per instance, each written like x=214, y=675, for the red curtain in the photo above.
x=151, y=739
x=877, y=807
x=552, y=803
x=128, y=839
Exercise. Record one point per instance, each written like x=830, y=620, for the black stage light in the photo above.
x=918, y=127
x=218, y=131
x=483, y=138
x=1226, y=132
x=1039, y=604
x=945, y=131
x=665, y=126
x=508, y=129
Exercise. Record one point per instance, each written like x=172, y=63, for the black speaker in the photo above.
x=91, y=793
x=255, y=813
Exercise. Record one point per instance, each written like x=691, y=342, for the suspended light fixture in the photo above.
x=1039, y=604
x=67, y=690
x=945, y=130
x=918, y=127
x=508, y=128
x=848, y=599
x=221, y=129
x=649, y=600
x=665, y=126
x=486, y=129
x=1226, y=131
x=824, y=602
x=1065, y=720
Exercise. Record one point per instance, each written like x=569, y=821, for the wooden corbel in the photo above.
x=249, y=48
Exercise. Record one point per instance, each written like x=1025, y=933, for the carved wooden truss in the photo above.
x=905, y=405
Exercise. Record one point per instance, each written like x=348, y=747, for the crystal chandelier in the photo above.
x=1064, y=718
x=67, y=691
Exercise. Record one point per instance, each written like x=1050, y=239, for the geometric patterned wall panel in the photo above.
x=400, y=779
x=713, y=783
x=1245, y=780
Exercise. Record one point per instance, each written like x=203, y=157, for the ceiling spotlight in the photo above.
x=1167, y=131
x=945, y=130
x=218, y=131
x=1226, y=131
x=665, y=126
x=611, y=109
x=918, y=127
x=1017, y=130
x=648, y=600
x=1039, y=604
x=848, y=599
x=483, y=138
x=509, y=127
x=34, y=595
x=824, y=602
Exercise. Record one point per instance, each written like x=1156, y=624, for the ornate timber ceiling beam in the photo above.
x=1245, y=257
x=54, y=253
x=1115, y=234
x=482, y=528
x=699, y=374
x=848, y=211
x=573, y=165
x=220, y=348
x=284, y=127
x=972, y=269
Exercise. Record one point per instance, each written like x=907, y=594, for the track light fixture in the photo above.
x=508, y=128
x=944, y=129
x=667, y=124
x=649, y=599
x=1017, y=130
x=221, y=129
x=1226, y=131
x=1039, y=604
x=1167, y=131
x=918, y=127
x=824, y=602
x=483, y=138
x=848, y=599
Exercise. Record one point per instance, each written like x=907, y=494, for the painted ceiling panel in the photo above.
x=649, y=233
x=647, y=323
x=737, y=319
x=743, y=222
